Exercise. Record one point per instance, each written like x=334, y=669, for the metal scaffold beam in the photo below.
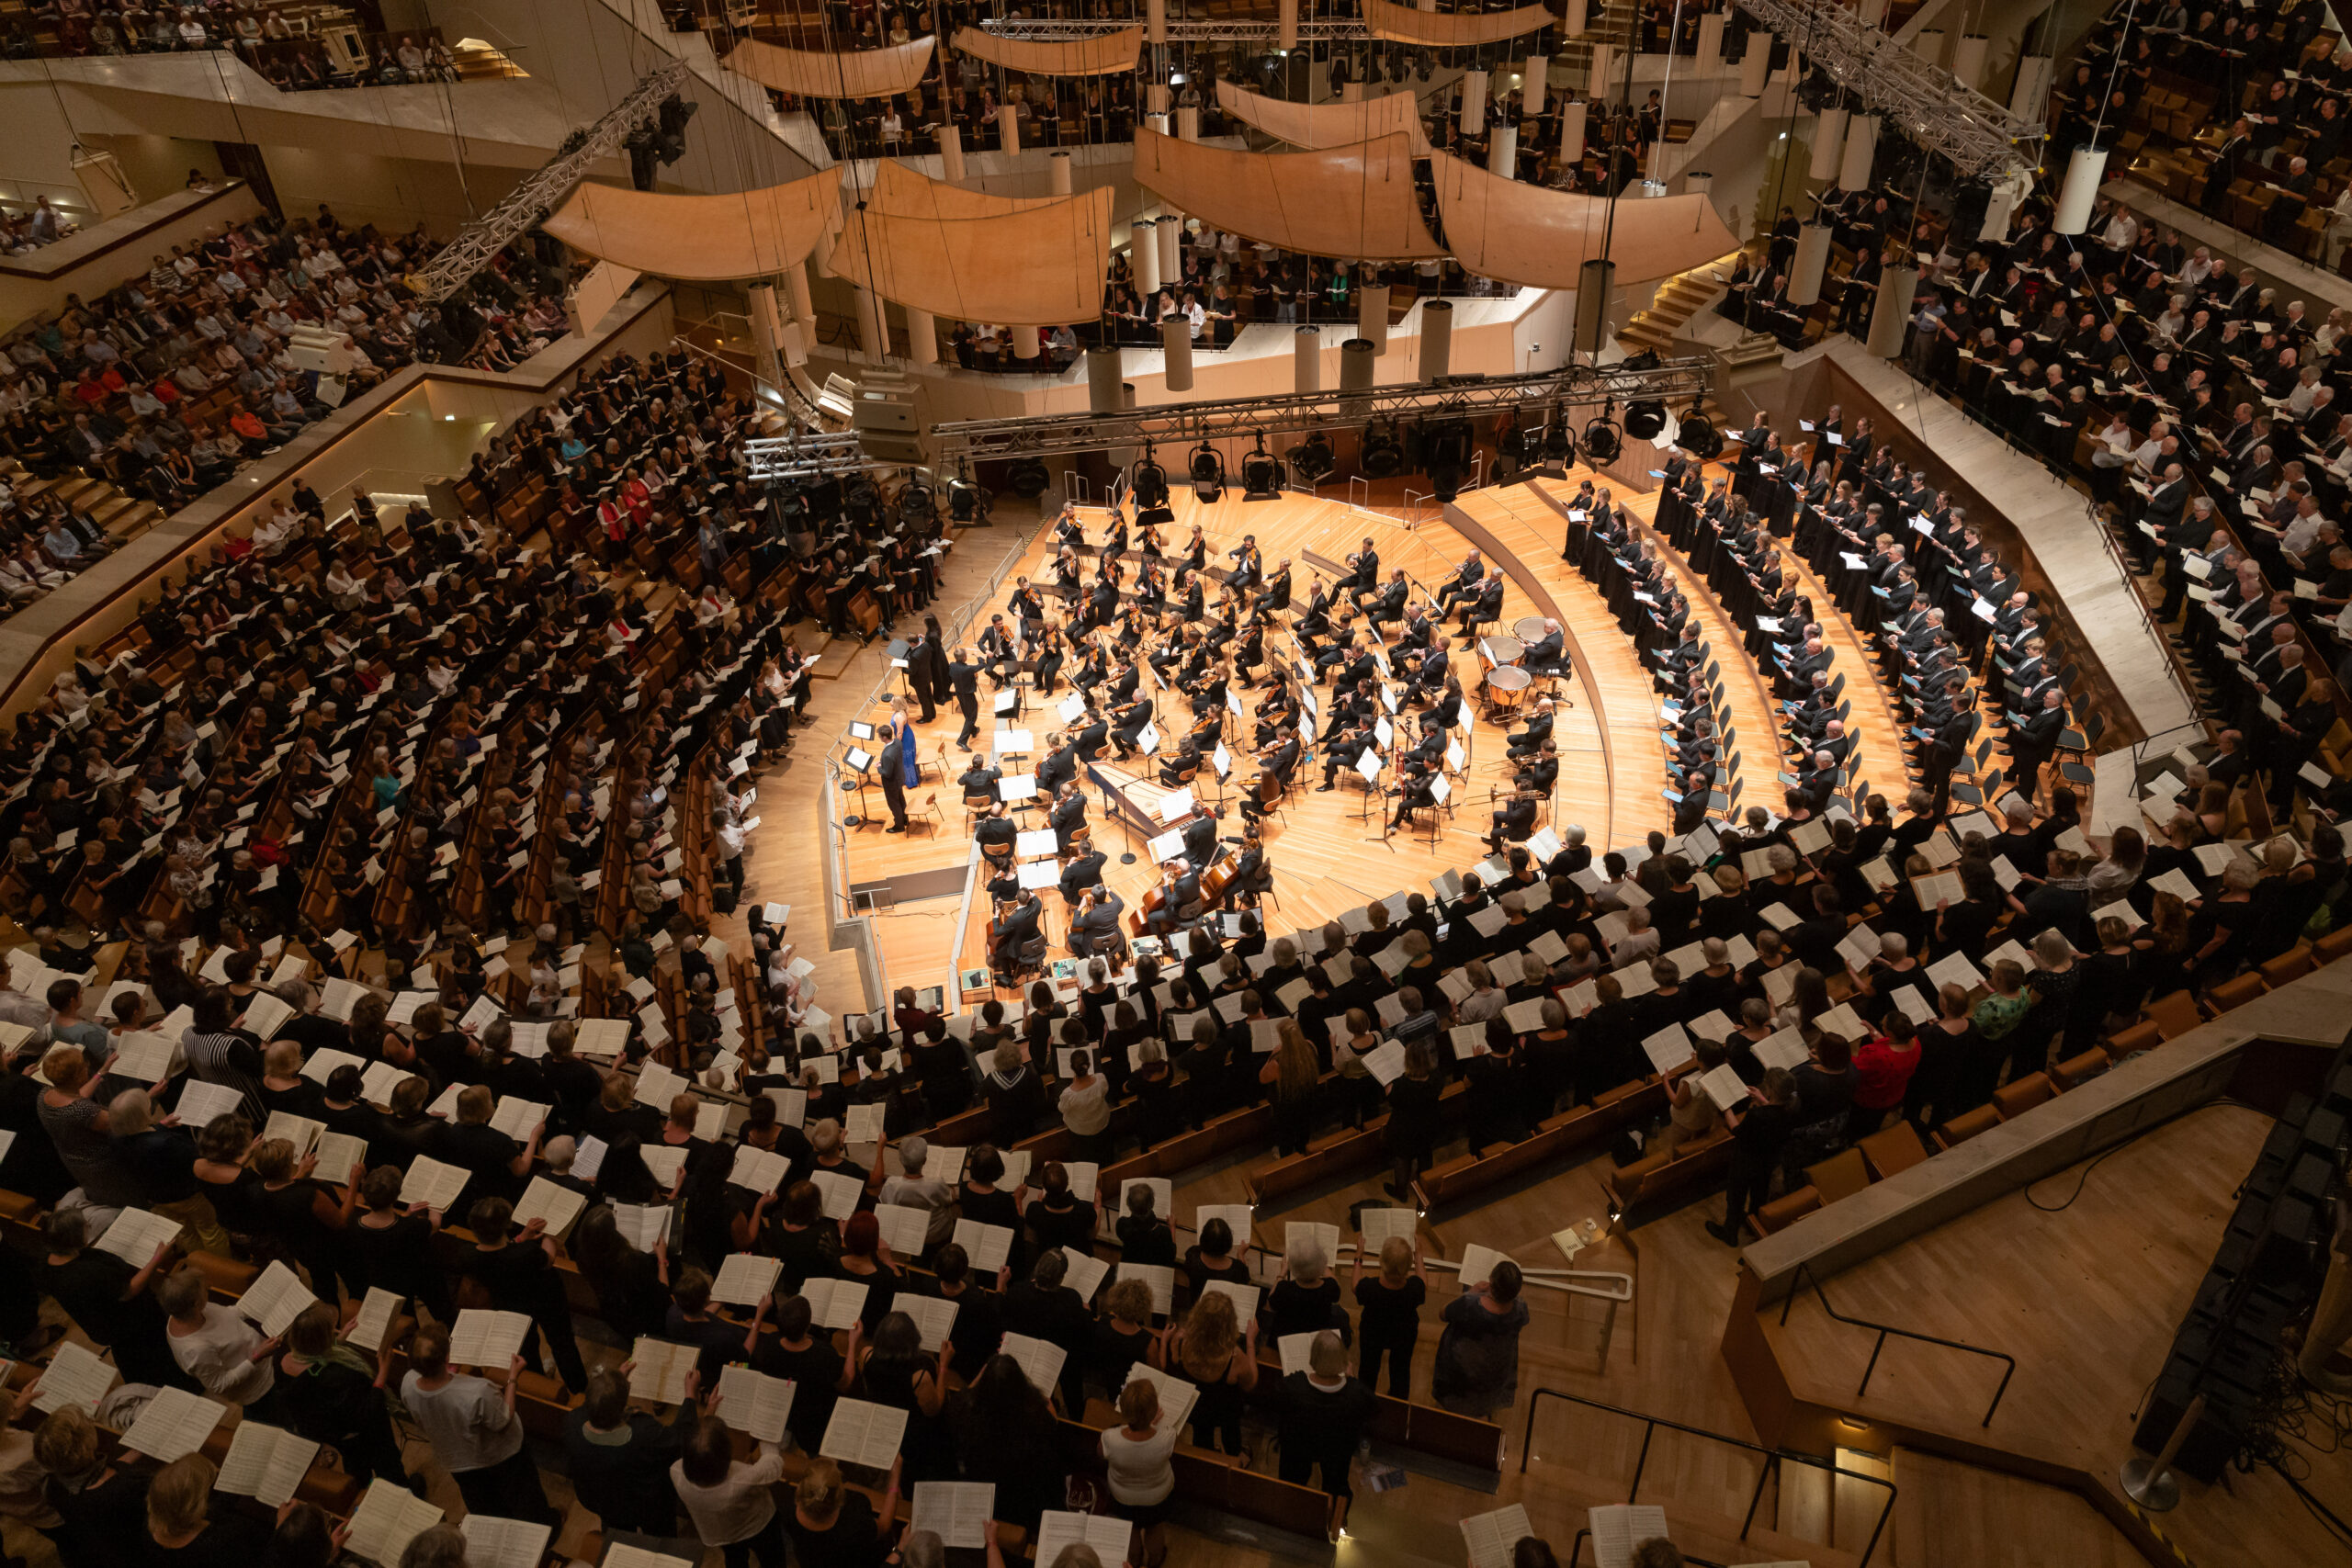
x=530, y=201
x=1231, y=29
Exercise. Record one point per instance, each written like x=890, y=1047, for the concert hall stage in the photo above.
x=1327, y=852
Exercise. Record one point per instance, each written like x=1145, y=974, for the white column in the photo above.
x=1572, y=118
x=1812, y=262
x=1286, y=26
x=1060, y=164
x=1891, y=319
x=1437, y=338
x=1188, y=121
x=1861, y=147
x=1155, y=23
x=1144, y=253
x=1176, y=351
x=1572, y=24
x=1502, y=151
x=1473, y=101
x=2027, y=98
x=1103, y=379
x=2080, y=192
x=1968, y=58
x=1535, y=84
x=922, y=334
x=1711, y=38
x=1603, y=59
x=1156, y=101
x=1171, y=250
x=1929, y=46
x=796, y=283
x=1828, y=143
x=1008, y=129
x=1873, y=13
x=1756, y=64
x=1306, y=359
x=1024, y=342
x=873, y=330
x=951, y=152
x=1372, y=316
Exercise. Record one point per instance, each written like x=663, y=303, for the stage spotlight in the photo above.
x=1601, y=440
x=916, y=503
x=1312, y=458
x=1449, y=447
x=1383, y=455
x=1645, y=418
x=1261, y=477
x=1149, y=481
x=1027, y=479
x=1340, y=71
x=669, y=142
x=966, y=502
x=824, y=500
x=1697, y=434
x=639, y=145
x=1559, y=442
x=1207, y=470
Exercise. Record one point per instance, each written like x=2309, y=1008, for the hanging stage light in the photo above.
x=966, y=501
x=1312, y=458
x=1559, y=442
x=1601, y=440
x=1261, y=477
x=1698, y=435
x=1208, y=473
x=1448, y=447
x=1027, y=479
x=1383, y=455
x=1148, y=480
x=1645, y=418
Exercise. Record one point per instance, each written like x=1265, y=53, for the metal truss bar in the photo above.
x=1237, y=30
x=807, y=455
x=538, y=193
x=1183, y=423
x=1934, y=108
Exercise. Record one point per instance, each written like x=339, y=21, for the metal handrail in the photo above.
x=1773, y=1458
x=1805, y=1271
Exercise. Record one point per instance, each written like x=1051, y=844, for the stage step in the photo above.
x=1559, y=1498
x=1949, y=1514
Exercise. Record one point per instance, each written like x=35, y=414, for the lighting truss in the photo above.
x=1228, y=29
x=807, y=455
x=1175, y=427
x=530, y=201
x=1934, y=108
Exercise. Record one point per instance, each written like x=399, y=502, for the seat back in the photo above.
x=1966, y=1125
x=2017, y=1097
x=2174, y=1015
x=2286, y=966
x=1840, y=1176
x=1896, y=1148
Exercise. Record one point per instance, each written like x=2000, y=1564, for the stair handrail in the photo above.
x=1773, y=1459
x=1805, y=1272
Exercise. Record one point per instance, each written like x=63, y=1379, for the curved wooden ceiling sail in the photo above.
x=701, y=238
x=1036, y=266
x=1451, y=30
x=1354, y=203
x=1516, y=232
x=904, y=192
x=853, y=73
x=1335, y=124
x=1107, y=54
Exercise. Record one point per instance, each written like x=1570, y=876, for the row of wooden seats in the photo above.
x=1556, y=1141
x=1336, y=1156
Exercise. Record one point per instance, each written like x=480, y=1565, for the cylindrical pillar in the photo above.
x=1698, y=182
x=1473, y=101
x=1355, y=375
x=1534, y=86
x=1188, y=121
x=1156, y=100
x=1861, y=150
x=1828, y=143
x=1026, y=343
x=1502, y=151
x=1171, y=250
x=1008, y=129
x=1756, y=65
x=1929, y=46
x=1603, y=58
x=1890, y=322
x=923, y=336
x=1572, y=24
x=951, y=151
x=1059, y=166
x=1102, y=379
x=1286, y=26
x=1145, y=254
x=804, y=304
x=1873, y=12
x=1155, y=23
x=1372, y=316
x=1176, y=350
x=872, y=331
x=1812, y=263
x=1306, y=359
x=2076, y=196
x=1572, y=118
x=1437, y=338
x=767, y=330
x=1596, y=281
x=1968, y=58
x=2033, y=88
x=1710, y=38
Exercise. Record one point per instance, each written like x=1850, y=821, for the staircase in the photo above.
x=1680, y=298
x=124, y=517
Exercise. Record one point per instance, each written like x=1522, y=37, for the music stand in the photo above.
x=858, y=760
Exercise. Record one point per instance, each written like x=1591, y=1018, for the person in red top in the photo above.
x=250, y=430
x=1882, y=1071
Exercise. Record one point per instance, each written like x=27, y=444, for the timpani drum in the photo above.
x=1500, y=651
x=1507, y=688
x=1528, y=628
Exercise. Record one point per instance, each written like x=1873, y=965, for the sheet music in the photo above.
x=667, y=1164
x=433, y=1184
x=1041, y=1360
x=1618, y=1528
x=988, y=1246
x=1478, y=1264
x=641, y=1226
x=299, y=1131
x=201, y=1103
x=376, y=1084
x=660, y=1371
x=275, y=1299
x=1489, y=1537
x=755, y=1403
x=144, y=1056
x=1724, y=1087
x=620, y=1554
x=862, y=1432
x=1379, y=1225
x=1236, y=1218
x=265, y=1463
x=834, y=1304
x=841, y=1193
x=339, y=1153
x=744, y=1277
x=1086, y=1274
x=136, y=1233
x=957, y=1511
x=1110, y=1537
x=516, y=1118
x=543, y=1200
x=174, y=1423
x=1295, y=1351
x=503, y=1543
x=1177, y=1396
x=935, y=1317
x=1321, y=1233
x=485, y=1338
x=376, y=1314
x=387, y=1518
x=1160, y=1279
x=74, y=1376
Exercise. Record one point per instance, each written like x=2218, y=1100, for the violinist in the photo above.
x=1129, y=724
x=1276, y=763
x=1178, y=890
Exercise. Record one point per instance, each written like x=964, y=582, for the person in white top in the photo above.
x=470, y=1423
x=731, y=1501
x=1086, y=1105
x=227, y=1355
x=1137, y=1468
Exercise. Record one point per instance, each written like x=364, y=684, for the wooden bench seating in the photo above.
x=1558, y=1139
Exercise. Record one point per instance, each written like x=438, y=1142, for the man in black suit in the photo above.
x=1131, y=722
x=1944, y=751
x=1515, y=822
x=918, y=654
x=1094, y=925
x=2035, y=739
x=1091, y=737
x=1276, y=763
x=963, y=676
x=1067, y=815
x=1017, y=929
x=979, y=778
x=1200, y=840
x=1060, y=766
x=1081, y=873
x=892, y=767
x=1547, y=654
x=1180, y=886
x=1529, y=741
x=1342, y=752
x=2162, y=513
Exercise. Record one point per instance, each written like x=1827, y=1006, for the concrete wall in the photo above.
x=394, y=194
x=145, y=233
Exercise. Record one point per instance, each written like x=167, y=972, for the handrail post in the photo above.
x=1649, y=1430
x=2006, y=1376
x=1874, y=1364
x=1764, y=1473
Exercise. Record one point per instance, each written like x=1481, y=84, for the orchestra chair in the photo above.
x=975, y=807
x=929, y=808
